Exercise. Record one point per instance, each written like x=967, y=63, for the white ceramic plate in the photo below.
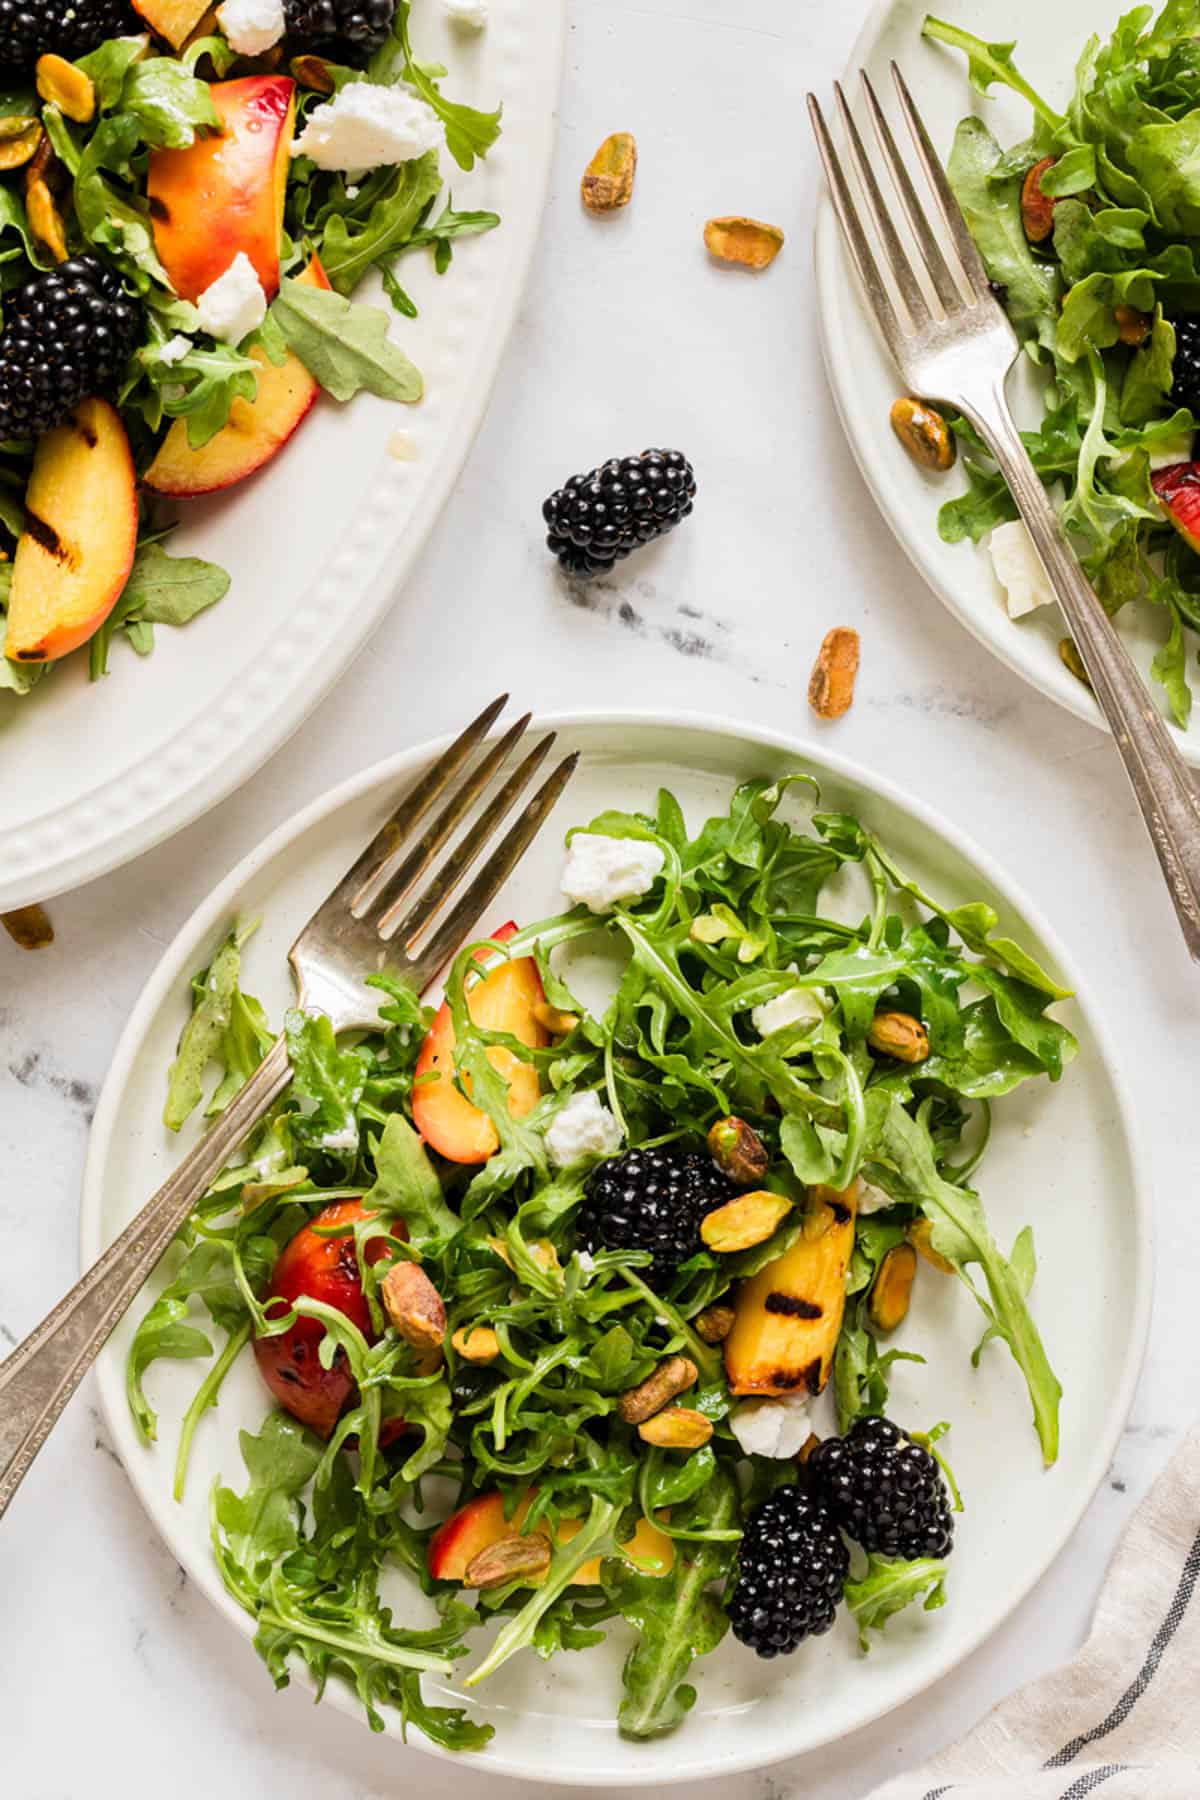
x=1062, y=1157
x=317, y=543
x=863, y=378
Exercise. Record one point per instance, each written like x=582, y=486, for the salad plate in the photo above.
x=1062, y=1158
x=865, y=385
x=316, y=543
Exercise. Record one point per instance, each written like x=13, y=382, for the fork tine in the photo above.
x=856, y=238
x=948, y=206
x=388, y=841
x=945, y=286
x=495, y=872
x=423, y=911
x=399, y=885
x=902, y=271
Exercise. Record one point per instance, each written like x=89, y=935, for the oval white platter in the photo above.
x=863, y=378
x=317, y=543
x=1063, y=1158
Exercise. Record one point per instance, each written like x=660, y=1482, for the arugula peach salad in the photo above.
x=188, y=201
x=576, y=1316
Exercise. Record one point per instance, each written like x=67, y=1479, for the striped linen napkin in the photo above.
x=1123, y=1720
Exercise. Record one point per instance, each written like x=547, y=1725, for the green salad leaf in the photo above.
x=343, y=344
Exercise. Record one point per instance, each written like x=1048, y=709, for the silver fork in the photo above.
x=374, y=918
x=960, y=352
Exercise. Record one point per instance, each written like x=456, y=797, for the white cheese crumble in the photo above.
x=798, y=1006
x=599, y=871
x=871, y=1200
x=775, y=1428
x=467, y=12
x=251, y=26
x=583, y=1128
x=346, y=1139
x=1019, y=569
x=586, y=1261
x=175, y=348
x=365, y=126
x=235, y=304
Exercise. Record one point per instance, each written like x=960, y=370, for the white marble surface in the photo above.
x=117, y=1680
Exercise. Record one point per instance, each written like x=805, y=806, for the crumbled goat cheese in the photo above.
x=775, y=1428
x=599, y=871
x=1019, y=569
x=235, y=304
x=871, y=1200
x=175, y=349
x=365, y=126
x=347, y=1139
x=251, y=26
x=583, y=1128
x=586, y=1261
x=798, y=1006
x=467, y=12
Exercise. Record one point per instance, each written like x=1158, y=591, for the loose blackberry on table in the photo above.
x=885, y=1490
x=652, y=1200
x=598, y=518
x=67, y=334
x=792, y=1569
x=70, y=28
x=351, y=30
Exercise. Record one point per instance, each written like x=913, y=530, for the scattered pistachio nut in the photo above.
x=891, y=1290
x=738, y=1151
x=671, y=1378
x=1068, y=651
x=831, y=684
x=558, y=1024
x=920, y=1236
x=924, y=433
x=19, y=147
x=45, y=166
x=45, y=220
x=1037, y=208
x=508, y=1558
x=749, y=243
x=15, y=125
x=476, y=1343
x=744, y=1222
x=413, y=1305
x=676, y=1428
x=607, y=181
x=900, y=1035
x=715, y=1323
x=29, y=927
x=1133, y=326
x=61, y=84
x=313, y=72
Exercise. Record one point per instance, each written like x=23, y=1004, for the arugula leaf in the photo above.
x=161, y=590
x=676, y=1617
x=345, y=346
x=989, y=63
x=886, y=1588
x=205, y=1037
x=327, y=1082
x=469, y=133
x=348, y=249
x=406, y=1182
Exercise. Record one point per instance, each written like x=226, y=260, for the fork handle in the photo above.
x=42, y=1373
x=1162, y=785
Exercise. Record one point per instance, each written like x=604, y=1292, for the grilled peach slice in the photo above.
x=323, y=1268
x=788, y=1316
x=74, y=556
x=481, y=1522
x=503, y=1001
x=224, y=193
x=1178, y=487
x=256, y=429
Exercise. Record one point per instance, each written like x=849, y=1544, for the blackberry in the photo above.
x=652, y=1200
x=598, y=518
x=1185, y=390
x=67, y=334
x=884, y=1490
x=792, y=1568
x=70, y=28
x=348, y=30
